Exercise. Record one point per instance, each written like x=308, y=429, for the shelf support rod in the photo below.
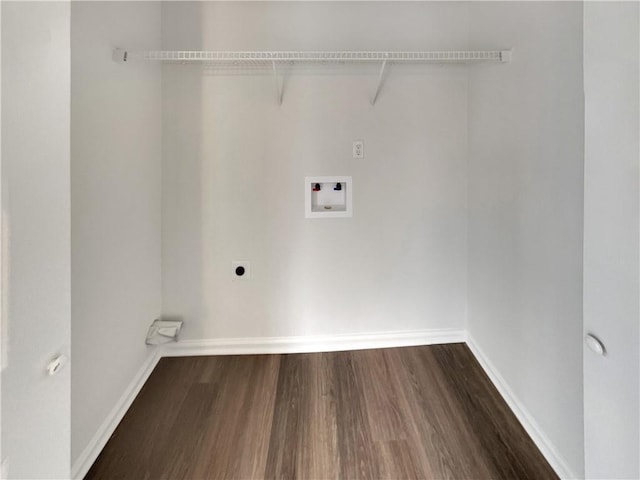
x=278, y=85
x=380, y=78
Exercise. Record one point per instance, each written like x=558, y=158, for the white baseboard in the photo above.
x=89, y=455
x=548, y=450
x=305, y=344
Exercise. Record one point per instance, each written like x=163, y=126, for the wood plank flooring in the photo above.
x=415, y=412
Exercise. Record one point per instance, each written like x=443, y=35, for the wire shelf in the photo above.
x=277, y=60
x=279, y=57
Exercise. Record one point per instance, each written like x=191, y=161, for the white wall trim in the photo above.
x=89, y=455
x=305, y=344
x=548, y=450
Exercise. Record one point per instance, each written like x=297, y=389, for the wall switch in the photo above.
x=358, y=149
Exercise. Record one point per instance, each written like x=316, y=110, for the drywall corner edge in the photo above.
x=548, y=450
x=83, y=463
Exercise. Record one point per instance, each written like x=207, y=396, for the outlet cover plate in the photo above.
x=358, y=149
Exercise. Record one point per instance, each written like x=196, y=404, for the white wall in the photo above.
x=234, y=166
x=115, y=215
x=35, y=224
x=611, y=244
x=3, y=473
x=525, y=212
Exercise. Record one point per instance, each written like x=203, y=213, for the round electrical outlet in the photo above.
x=240, y=270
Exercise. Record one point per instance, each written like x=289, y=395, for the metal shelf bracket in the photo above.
x=279, y=85
x=380, y=81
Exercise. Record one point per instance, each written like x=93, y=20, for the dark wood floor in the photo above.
x=416, y=412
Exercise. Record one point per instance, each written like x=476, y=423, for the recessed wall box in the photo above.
x=328, y=197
